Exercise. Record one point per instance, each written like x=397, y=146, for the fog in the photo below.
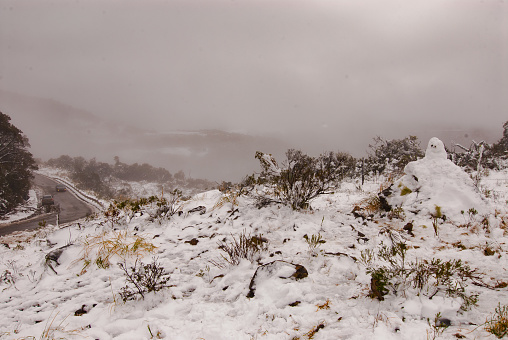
x=95, y=78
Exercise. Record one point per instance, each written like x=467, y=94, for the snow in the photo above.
x=205, y=301
x=24, y=211
x=435, y=149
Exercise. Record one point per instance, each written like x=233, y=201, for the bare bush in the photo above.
x=245, y=247
x=300, y=178
x=143, y=278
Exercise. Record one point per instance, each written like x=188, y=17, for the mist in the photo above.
x=201, y=85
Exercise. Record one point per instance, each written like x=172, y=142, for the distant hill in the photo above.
x=56, y=129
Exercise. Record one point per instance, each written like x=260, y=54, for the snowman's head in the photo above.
x=435, y=149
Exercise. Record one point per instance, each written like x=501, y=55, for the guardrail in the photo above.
x=78, y=194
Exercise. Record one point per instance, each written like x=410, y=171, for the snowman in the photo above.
x=436, y=181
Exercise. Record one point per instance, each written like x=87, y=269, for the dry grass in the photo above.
x=229, y=197
x=497, y=324
x=100, y=249
x=369, y=205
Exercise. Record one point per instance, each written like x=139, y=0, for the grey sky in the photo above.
x=341, y=71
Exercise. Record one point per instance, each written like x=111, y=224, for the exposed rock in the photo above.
x=409, y=228
x=192, y=242
x=383, y=198
x=200, y=209
x=84, y=309
x=53, y=256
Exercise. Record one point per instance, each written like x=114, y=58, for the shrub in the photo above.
x=167, y=207
x=426, y=277
x=314, y=242
x=482, y=155
x=143, y=278
x=497, y=324
x=245, y=247
x=112, y=215
x=300, y=178
x=8, y=278
x=387, y=156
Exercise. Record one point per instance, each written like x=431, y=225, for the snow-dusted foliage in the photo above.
x=388, y=156
x=300, y=178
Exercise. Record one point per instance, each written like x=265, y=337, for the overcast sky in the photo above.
x=332, y=69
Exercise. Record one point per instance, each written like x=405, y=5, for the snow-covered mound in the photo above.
x=67, y=282
x=436, y=181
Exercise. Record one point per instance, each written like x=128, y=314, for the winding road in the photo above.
x=71, y=208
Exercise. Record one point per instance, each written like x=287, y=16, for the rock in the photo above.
x=53, y=256
x=201, y=209
x=81, y=311
x=84, y=309
x=409, y=228
x=383, y=199
x=192, y=242
x=443, y=322
x=276, y=270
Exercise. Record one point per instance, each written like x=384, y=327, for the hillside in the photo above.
x=325, y=273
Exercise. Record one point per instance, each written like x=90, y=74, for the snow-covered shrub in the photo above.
x=314, y=242
x=167, y=207
x=482, y=155
x=245, y=247
x=388, y=156
x=391, y=273
x=300, y=178
x=143, y=278
x=8, y=278
x=112, y=215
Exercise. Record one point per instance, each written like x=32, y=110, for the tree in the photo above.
x=16, y=165
x=500, y=148
x=180, y=176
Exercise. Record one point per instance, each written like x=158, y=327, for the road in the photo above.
x=71, y=208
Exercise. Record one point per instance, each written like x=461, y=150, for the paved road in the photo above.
x=71, y=208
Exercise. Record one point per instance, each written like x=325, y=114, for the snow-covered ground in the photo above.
x=207, y=298
x=24, y=211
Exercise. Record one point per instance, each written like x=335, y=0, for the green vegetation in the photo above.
x=497, y=324
x=244, y=247
x=300, y=178
x=142, y=279
x=391, y=156
x=390, y=273
x=16, y=166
